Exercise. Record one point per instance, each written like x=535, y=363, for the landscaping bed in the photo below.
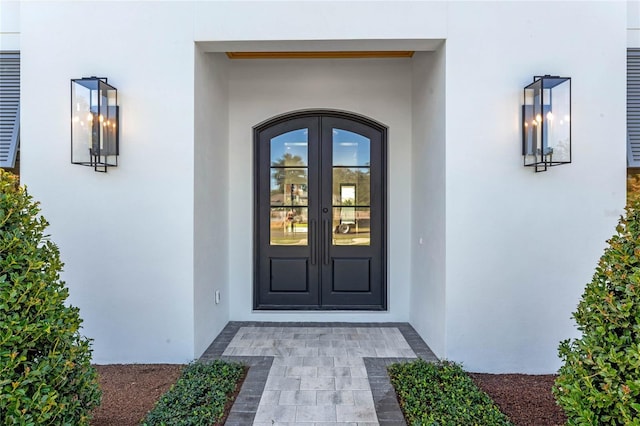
x=526, y=399
x=130, y=391
x=202, y=395
x=457, y=397
x=442, y=394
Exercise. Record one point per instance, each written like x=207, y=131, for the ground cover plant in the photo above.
x=200, y=397
x=45, y=371
x=599, y=381
x=442, y=394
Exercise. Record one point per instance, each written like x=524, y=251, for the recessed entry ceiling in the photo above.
x=323, y=54
x=305, y=49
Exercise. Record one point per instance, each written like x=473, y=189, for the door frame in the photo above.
x=257, y=129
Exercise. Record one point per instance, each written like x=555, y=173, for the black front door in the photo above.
x=320, y=212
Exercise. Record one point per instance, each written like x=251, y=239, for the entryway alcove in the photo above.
x=390, y=96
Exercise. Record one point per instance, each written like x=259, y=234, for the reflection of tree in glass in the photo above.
x=288, y=160
x=361, y=178
x=290, y=177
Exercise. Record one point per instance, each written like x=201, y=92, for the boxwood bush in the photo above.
x=45, y=371
x=599, y=381
x=442, y=394
x=199, y=396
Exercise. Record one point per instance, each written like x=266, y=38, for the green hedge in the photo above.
x=199, y=397
x=442, y=394
x=45, y=373
x=599, y=381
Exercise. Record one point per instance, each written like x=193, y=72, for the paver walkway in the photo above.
x=317, y=374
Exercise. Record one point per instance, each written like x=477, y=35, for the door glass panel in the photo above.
x=351, y=226
x=289, y=172
x=351, y=186
x=289, y=187
x=289, y=226
x=350, y=149
x=290, y=149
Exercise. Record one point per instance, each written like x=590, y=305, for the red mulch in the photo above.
x=130, y=391
x=526, y=400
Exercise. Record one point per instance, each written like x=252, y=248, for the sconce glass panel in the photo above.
x=94, y=123
x=546, y=122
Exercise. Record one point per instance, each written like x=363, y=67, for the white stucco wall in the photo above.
x=428, y=239
x=211, y=183
x=493, y=286
x=521, y=246
x=9, y=25
x=126, y=236
x=633, y=23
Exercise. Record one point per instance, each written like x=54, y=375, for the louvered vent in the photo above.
x=9, y=107
x=633, y=107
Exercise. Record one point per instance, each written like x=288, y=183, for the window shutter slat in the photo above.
x=9, y=107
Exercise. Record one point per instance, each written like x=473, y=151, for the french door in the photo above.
x=320, y=212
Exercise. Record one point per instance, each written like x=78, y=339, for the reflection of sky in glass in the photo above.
x=293, y=143
x=350, y=149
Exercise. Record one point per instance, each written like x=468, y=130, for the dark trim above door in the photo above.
x=323, y=270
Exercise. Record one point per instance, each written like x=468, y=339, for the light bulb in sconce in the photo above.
x=549, y=116
x=538, y=118
x=90, y=117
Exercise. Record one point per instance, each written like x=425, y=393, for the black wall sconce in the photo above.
x=94, y=123
x=546, y=122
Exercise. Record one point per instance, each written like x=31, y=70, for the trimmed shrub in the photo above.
x=442, y=394
x=599, y=382
x=199, y=397
x=45, y=371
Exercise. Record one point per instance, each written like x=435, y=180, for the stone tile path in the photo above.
x=317, y=374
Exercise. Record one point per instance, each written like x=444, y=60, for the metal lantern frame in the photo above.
x=95, y=126
x=546, y=122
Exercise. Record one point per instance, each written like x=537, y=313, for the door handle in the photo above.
x=326, y=241
x=313, y=240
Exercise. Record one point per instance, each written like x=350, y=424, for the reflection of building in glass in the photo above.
x=298, y=194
